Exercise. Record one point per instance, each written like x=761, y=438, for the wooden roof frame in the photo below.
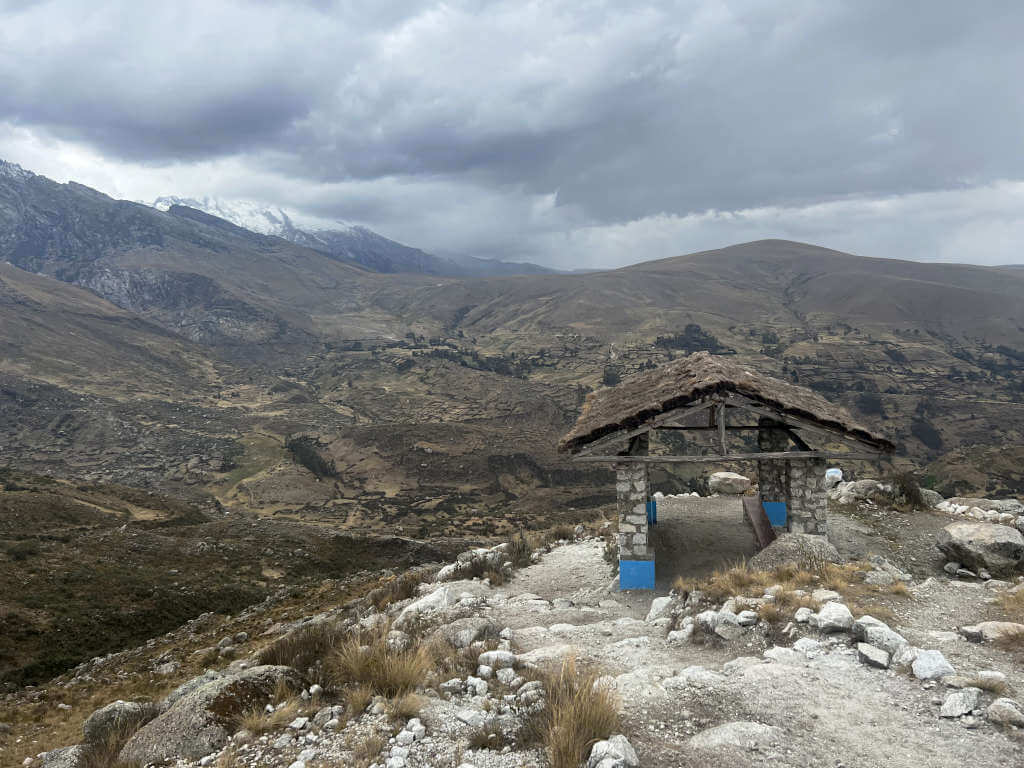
x=719, y=406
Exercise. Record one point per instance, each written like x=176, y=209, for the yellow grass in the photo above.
x=386, y=671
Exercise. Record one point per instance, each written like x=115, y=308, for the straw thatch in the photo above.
x=640, y=398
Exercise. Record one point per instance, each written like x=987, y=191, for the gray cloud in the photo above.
x=525, y=130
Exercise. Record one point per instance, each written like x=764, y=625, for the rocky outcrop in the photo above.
x=118, y=717
x=202, y=720
x=996, y=548
x=801, y=549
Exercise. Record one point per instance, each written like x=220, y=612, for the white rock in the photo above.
x=497, y=659
x=728, y=483
x=616, y=752
x=873, y=656
x=298, y=723
x=437, y=600
x=825, y=595
x=833, y=617
x=960, y=702
x=740, y=733
x=931, y=665
x=659, y=606
x=474, y=718
x=803, y=614
x=484, y=672
x=476, y=685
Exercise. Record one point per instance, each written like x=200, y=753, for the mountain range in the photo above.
x=344, y=241
x=175, y=334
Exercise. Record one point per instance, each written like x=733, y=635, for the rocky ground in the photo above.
x=886, y=662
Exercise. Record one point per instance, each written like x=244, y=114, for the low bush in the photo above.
x=579, y=712
x=372, y=662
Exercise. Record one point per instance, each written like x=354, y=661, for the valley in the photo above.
x=269, y=387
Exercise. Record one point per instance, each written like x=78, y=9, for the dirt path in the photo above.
x=694, y=537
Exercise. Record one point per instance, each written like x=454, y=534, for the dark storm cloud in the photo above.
x=544, y=120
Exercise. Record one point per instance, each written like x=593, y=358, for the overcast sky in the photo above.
x=575, y=134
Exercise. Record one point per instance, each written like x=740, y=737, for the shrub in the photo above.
x=22, y=550
x=303, y=647
x=906, y=490
x=579, y=713
x=385, y=670
x=519, y=550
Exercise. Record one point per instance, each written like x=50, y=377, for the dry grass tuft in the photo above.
x=385, y=670
x=366, y=751
x=771, y=613
x=578, y=714
x=357, y=698
x=992, y=685
x=488, y=736
x=257, y=720
x=1012, y=641
x=1013, y=604
x=897, y=588
x=302, y=647
x=400, y=587
x=405, y=707
x=519, y=550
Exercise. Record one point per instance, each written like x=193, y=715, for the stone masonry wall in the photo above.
x=772, y=474
x=631, y=491
x=808, y=499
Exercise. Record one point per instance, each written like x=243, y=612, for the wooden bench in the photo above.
x=764, y=533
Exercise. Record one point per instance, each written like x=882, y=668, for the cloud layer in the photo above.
x=571, y=133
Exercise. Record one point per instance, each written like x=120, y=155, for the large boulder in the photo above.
x=116, y=720
x=992, y=631
x=801, y=549
x=931, y=498
x=202, y=720
x=998, y=549
x=728, y=483
x=433, y=602
x=68, y=757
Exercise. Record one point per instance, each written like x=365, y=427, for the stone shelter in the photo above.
x=718, y=398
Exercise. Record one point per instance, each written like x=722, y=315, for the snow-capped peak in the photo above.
x=14, y=171
x=257, y=217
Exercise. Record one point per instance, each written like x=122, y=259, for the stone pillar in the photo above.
x=808, y=500
x=772, y=474
x=631, y=493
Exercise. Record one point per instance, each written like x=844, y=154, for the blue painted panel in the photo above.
x=636, y=574
x=652, y=512
x=776, y=511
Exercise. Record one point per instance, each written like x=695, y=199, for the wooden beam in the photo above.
x=728, y=428
x=720, y=418
x=615, y=437
x=793, y=421
x=710, y=458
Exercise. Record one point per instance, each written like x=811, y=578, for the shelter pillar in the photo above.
x=772, y=474
x=808, y=499
x=636, y=557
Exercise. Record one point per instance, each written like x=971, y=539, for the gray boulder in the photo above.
x=616, y=752
x=833, y=617
x=201, y=721
x=1005, y=712
x=117, y=719
x=67, y=757
x=992, y=631
x=931, y=498
x=872, y=656
x=801, y=549
x=931, y=665
x=728, y=483
x=960, y=702
x=997, y=548
x=740, y=733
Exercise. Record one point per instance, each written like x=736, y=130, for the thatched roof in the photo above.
x=640, y=398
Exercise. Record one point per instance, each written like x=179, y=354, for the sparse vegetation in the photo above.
x=373, y=662
x=579, y=712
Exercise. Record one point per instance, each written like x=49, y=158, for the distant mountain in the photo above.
x=346, y=241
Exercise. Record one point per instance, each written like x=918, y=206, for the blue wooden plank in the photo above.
x=636, y=574
x=776, y=511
